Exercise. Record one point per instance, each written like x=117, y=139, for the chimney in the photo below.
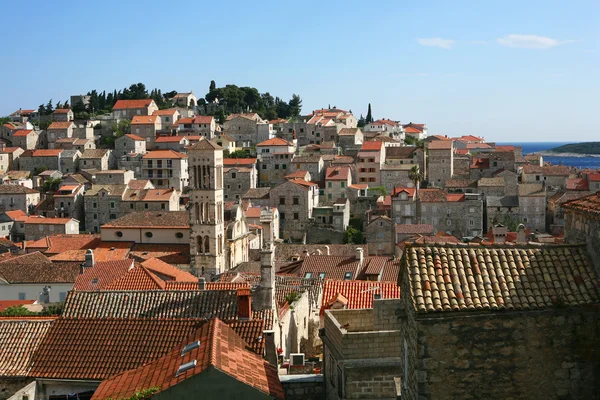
x=270, y=349
x=201, y=283
x=499, y=231
x=244, y=303
x=327, y=249
x=360, y=256
x=521, y=238
x=377, y=294
x=305, y=254
x=89, y=258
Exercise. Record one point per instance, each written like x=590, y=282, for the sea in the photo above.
x=536, y=147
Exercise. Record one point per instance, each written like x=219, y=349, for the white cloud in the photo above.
x=478, y=42
x=437, y=42
x=530, y=41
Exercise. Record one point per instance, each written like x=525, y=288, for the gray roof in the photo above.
x=16, y=189
x=505, y=201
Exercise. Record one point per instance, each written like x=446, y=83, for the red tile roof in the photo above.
x=547, y=170
x=37, y=268
x=4, y=304
x=170, y=139
x=144, y=119
x=169, y=111
x=134, y=137
x=169, y=253
x=47, y=152
x=337, y=173
x=586, y=205
x=577, y=184
x=167, y=272
x=61, y=111
x=152, y=219
x=56, y=244
x=398, y=190
x=61, y=125
x=455, y=197
x=19, y=341
x=595, y=177
x=422, y=229
x=220, y=348
x=302, y=182
x=102, y=274
x=126, y=104
x=432, y=195
x=372, y=146
x=274, y=142
x=22, y=133
x=168, y=154
x=440, y=145
x=411, y=129
x=357, y=294
x=238, y=161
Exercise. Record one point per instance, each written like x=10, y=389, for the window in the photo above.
x=472, y=209
x=94, y=205
x=296, y=216
x=448, y=223
x=348, y=276
x=308, y=275
x=329, y=196
x=131, y=205
x=146, y=206
x=296, y=200
x=343, y=184
x=162, y=206
x=283, y=166
x=112, y=204
x=119, y=233
x=282, y=201
x=233, y=175
x=22, y=296
x=113, y=216
x=149, y=234
x=282, y=216
x=62, y=296
x=276, y=166
x=95, y=216
x=471, y=222
x=179, y=235
x=264, y=166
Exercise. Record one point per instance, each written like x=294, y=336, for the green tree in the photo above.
x=415, y=176
x=361, y=121
x=123, y=127
x=353, y=236
x=16, y=311
x=369, y=117
x=4, y=120
x=52, y=184
x=49, y=107
x=212, y=86
x=240, y=154
x=295, y=105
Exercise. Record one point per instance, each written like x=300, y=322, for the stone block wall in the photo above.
x=9, y=386
x=549, y=354
x=581, y=228
x=303, y=387
x=371, y=383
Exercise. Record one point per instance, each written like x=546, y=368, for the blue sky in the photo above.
x=506, y=70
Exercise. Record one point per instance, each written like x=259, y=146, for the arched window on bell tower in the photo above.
x=199, y=244
x=206, y=245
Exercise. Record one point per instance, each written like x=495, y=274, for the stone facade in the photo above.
x=303, y=387
x=295, y=201
x=238, y=180
x=128, y=144
x=273, y=168
x=440, y=161
x=379, y=233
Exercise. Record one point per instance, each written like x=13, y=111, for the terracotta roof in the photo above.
x=39, y=220
x=152, y=304
x=491, y=182
x=61, y=125
x=152, y=219
x=169, y=154
x=94, y=153
x=37, y=268
x=19, y=341
x=423, y=229
x=4, y=304
x=302, y=182
x=358, y=294
x=301, y=173
x=144, y=119
x=16, y=189
x=274, y=142
x=455, y=197
x=335, y=267
x=138, y=184
x=440, y=145
x=169, y=253
x=594, y=177
x=22, y=133
x=372, y=146
x=257, y=193
x=167, y=272
x=547, y=170
x=47, y=152
x=432, y=195
x=61, y=111
x=125, y=104
x=134, y=137
x=446, y=278
x=460, y=183
x=337, y=173
x=577, y=184
x=168, y=111
x=531, y=189
x=15, y=215
x=170, y=139
x=220, y=348
x=62, y=242
x=398, y=190
x=348, y=131
x=102, y=274
x=586, y=205
x=229, y=162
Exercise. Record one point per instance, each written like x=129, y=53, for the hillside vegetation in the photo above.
x=578, y=148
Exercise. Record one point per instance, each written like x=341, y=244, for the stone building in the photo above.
x=554, y=177
x=404, y=206
x=39, y=227
x=9, y=158
x=63, y=115
x=295, y=200
x=502, y=210
x=166, y=169
x=459, y=214
x=146, y=127
x=379, y=233
x=491, y=186
x=582, y=224
x=337, y=180
x=273, y=168
x=440, y=162
x=17, y=197
x=532, y=205
x=243, y=128
x=59, y=130
x=99, y=159
x=556, y=213
x=314, y=164
x=128, y=144
x=240, y=175
x=395, y=175
x=27, y=139
x=69, y=161
x=66, y=202
x=369, y=161
x=127, y=109
x=206, y=209
x=237, y=236
x=201, y=125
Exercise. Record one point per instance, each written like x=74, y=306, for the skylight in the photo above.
x=185, y=367
x=189, y=347
x=348, y=276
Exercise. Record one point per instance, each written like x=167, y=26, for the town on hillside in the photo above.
x=237, y=246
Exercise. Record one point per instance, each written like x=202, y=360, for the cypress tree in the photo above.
x=369, y=117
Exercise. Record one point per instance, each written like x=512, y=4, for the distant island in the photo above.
x=586, y=149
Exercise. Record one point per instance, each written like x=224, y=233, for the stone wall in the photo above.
x=581, y=228
x=9, y=386
x=549, y=354
x=316, y=235
x=303, y=387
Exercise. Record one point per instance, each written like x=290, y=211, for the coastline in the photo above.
x=551, y=154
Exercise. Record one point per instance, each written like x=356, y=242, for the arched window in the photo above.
x=220, y=245
x=206, y=245
x=197, y=210
x=198, y=244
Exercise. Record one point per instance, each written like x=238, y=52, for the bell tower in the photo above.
x=205, y=160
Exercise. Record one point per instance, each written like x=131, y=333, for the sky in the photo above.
x=507, y=70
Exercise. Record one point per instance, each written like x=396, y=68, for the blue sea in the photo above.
x=579, y=162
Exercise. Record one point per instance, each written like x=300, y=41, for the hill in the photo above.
x=578, y=148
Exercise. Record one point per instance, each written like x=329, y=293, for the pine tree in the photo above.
x=212, y=86
x=369, y=117
x=49, y=107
